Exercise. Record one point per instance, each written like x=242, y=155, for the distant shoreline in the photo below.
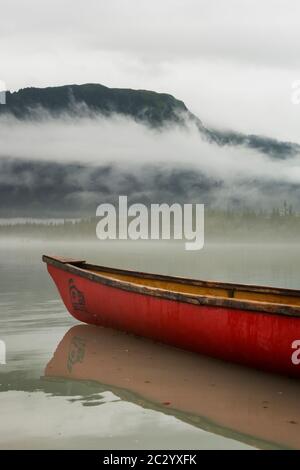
x=224, y=226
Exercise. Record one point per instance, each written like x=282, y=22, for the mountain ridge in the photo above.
x=146, y=106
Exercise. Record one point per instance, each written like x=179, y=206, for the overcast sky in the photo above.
x=232, y=62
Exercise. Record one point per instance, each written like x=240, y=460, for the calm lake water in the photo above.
x=132, y=393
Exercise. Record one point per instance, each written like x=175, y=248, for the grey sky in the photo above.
x=232, y=62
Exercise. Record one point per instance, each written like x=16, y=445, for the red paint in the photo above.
x=258, y=340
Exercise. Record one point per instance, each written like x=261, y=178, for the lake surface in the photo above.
x=132, y=393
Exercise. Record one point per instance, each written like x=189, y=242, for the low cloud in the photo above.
x=67, y=166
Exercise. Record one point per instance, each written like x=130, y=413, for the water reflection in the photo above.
x=247, y=405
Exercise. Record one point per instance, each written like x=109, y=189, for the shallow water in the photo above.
x=134, y=393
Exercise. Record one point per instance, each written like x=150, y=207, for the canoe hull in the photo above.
x=256, y=339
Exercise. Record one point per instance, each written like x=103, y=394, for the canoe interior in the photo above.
x=238, y=292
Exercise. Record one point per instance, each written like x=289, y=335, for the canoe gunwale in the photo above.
x=80, y=268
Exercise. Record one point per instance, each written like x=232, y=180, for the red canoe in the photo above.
x=253, y=325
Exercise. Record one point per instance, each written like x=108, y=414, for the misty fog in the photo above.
x=68, y=165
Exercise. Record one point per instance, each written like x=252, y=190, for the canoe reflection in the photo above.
x=251, y=406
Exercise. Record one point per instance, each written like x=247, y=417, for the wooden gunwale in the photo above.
x=81, y=268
